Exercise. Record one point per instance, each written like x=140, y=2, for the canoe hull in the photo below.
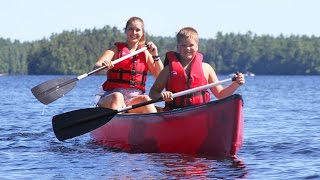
x=214, y=128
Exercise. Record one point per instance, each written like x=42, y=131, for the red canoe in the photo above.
x=214, y=129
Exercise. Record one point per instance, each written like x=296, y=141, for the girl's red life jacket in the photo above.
x=179, y=81
x=129, y=73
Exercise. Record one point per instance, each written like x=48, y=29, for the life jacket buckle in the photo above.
x=132, y=83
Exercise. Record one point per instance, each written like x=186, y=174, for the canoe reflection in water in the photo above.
x=181, y=166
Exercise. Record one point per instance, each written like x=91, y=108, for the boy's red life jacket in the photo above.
x=130, y=73
x=180, y=81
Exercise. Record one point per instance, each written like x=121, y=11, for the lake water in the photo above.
x=281, y=136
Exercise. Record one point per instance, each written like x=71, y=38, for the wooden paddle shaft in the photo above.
x=113, y=62
x=201, y=88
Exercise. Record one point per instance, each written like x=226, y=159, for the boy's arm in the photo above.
x=219, y=91
x=159, y=84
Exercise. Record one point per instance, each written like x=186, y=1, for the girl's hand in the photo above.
x=108, y=63
x=152, y=48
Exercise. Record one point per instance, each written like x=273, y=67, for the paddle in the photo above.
x=52, y=90
x=75, y=123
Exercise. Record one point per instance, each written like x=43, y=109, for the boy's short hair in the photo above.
x=187, y=33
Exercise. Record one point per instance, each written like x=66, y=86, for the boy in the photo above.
x=186, y=70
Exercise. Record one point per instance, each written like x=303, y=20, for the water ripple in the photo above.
x=281, y=137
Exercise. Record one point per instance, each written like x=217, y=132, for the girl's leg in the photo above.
x=150, y=108
x=112, y=101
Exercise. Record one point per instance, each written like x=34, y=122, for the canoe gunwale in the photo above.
x=232, y=97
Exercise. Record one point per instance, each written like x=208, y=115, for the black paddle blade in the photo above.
x=78, y=122
x=52, y=90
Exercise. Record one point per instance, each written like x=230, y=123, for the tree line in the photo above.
x=76, y=51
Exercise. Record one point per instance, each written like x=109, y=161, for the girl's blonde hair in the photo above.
x=187, y=33
x=132, y=19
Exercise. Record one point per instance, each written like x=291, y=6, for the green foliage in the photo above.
x=76, y=52
x=72, y=52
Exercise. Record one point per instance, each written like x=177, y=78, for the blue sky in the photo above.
x=28, y=20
